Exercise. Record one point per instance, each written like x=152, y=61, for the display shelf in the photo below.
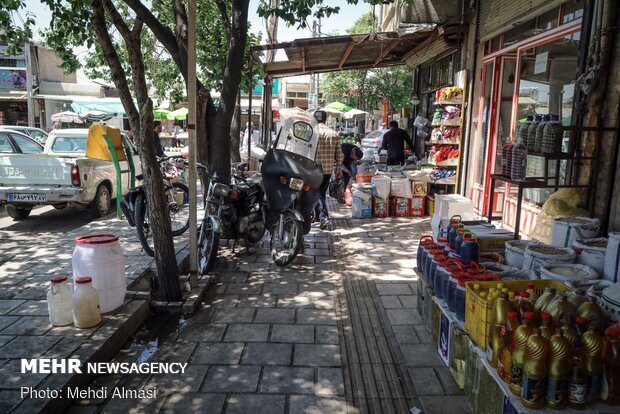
x=458, y=100
x=430, y=143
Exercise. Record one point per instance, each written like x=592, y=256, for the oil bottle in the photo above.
x=512, y=299
x=571, y=334
x=560, y=357
x=504, y=362
x=576, y=298
x=534, y=384
x=532, y=292
x=578, y=384
x=611, y=359
x=591, y=349
x=546, y=329
x=525, y=305
x=498, y=318
x=544, y=299
x=591, y=312
x=560, y=308
x=519, y=341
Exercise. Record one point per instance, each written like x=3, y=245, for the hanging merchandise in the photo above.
x=560, y=357
x=518, y=161
x=524, y=135
x=540, y=129
x=531, y=133
x=552, y=135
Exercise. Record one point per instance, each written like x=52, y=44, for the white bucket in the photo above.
x=362, y=204
x=568, y=272
x=567, y=230
x=539, y=255
x=612, y=258
x=591, y=252
x=101, y=258
x=515, y=252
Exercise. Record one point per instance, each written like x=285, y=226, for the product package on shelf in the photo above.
x=402, y=206
x=459, y=342
x=417, y=206
x=418, y=188
x=445, y=336
x=483, y=393
x=380, y=207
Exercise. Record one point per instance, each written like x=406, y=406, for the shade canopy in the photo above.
x=67, y=116
x=355, y=113
x=179, y=114
x=159, y=114
x=99, y=105
x=338, y=106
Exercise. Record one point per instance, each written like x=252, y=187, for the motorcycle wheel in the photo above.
x=208, y=244
x=143, y=226
x=179, y=212
x=285, y=249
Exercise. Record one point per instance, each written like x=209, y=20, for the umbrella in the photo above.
x=338, y=106
x=96, y=116
x=66, y=116
x=179, y=114
x=355, y=113
x=331, y=111
x=159, y=114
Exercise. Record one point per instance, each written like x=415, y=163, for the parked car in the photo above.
x=12, y=142
x=373, y=140
x=61, y=176
x=37, y=134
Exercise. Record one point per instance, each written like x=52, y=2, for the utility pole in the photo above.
x=314, y=77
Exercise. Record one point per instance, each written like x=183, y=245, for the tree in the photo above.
x=14, y=29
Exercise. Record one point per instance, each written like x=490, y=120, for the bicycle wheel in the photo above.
x=208, y=244
x=178, y=206
x=143, y=226
x=286, y=246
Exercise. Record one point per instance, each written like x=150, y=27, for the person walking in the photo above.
x=394, y=141
x=351, y=154
x=328, y=153
x=159, y=150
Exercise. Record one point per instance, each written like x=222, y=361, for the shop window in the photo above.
x=522, y=32
x=484, y=125
x=573, y=10
x=548, y=20
x=495, y=44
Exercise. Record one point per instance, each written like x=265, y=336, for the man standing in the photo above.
x=349, y=163
x=328, y=153
x=394, y=141
x=159, y=151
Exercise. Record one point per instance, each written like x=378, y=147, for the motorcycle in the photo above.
x=291, y=181
x=231, y=212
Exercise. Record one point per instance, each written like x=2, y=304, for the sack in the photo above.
x=336, y=189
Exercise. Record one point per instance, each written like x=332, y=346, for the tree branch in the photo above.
x=117, y=19
x=225, y=19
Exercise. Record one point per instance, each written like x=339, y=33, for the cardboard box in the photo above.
x=448, y=205
x=417, y=206
x=380, y=207
x=402, y=206
x=419, y=188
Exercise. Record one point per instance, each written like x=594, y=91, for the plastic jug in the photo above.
x=85, y=302
x=519, y=340
x=534, y=384
x=592, y=348
x=470, y=249
x=59, y=302
x=560, y=358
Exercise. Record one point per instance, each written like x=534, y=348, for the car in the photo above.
x=36, y=134
x=12, y=142
x=373, y=140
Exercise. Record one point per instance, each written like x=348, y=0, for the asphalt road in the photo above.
x=45, y=219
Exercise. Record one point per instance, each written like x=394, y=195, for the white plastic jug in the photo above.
x=59, y=302
x=101, y=257
x=85, y=301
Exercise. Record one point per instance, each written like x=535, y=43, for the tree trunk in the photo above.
x=235, y=135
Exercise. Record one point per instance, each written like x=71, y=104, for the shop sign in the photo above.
x=12, y=79
x=540, y=66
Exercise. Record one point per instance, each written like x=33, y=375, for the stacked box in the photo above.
x=380, y=207
x=419, y=188
x=417, y=206
x=402, y=206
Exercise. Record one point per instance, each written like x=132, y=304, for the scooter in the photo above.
x=291, y=181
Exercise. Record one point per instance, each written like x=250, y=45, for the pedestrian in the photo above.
x=351, y=154
x=159, y=150
x=328, y=153
x=394, y=141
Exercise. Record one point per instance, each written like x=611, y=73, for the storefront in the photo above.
x=527, y=70
x=13, y=103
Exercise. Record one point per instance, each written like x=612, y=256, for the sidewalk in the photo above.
x=27, y=262
x=336, y=332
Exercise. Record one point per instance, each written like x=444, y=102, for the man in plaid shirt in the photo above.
x=327, y=154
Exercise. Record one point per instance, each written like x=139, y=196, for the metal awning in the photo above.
x=364, y=51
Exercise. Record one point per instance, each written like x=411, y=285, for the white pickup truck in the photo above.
x=61, y=176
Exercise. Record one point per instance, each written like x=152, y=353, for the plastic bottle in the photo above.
x=506, y=161
x=519, y=340
x=531, y=132
x=518, y=161
x=498, y=319
x=85, y=302
x=544, y=299
x=546, y=329
x=552, y=135
x=534, y=383
x=560, y=357
x=569, y=333
x=592, y=348
x=591, y=312
x=453, y=234
x=532, y=292
x=611, y=359
x=561, y=308
x=470, y=249
x=523, y=130
x=504, y=362
x=512, y=299
x=524, y=304
x=578, y=384
x=540, y=128
x=59, y=302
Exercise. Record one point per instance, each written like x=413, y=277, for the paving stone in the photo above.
x=27, y=325
x=447, y=381
x=8, y=305
x=391, y=302
x=409, y=301
x=421, y=355
x=267, y=354
x=287, y=380
x=28, y=347
x=275, y=315
x=317, y=355
x=295, y=301
x=189, y=381
x=317, y=405
x=233, y=277
x=232, y=379
x=256, y=404
x=9, y=399
x=292, y=333
x=393, y=289
x=194, y=403
x=426, y=381
x=444, y=404
x=12, y=378
x=329, y=381
x=224, y=301
x=32, y=308
x=7, y=321
x=257, y=301
x=5, y=338
x=247, y=332
x=280, y=288
x=218, y=353
x=243, y=288
x=404, y=316
x=405, y=334
x=316, y=316
x=135, y=405
x=424, y=335
x=234, y=315
x=327, y=334
x=203, y=332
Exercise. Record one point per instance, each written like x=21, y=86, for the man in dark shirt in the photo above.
x=159, y=150
x=349, y=163
x=394, y=141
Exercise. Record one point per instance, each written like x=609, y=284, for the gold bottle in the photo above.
x=519, y=340
x=576, y=298
x=512, y=299
x=560, y=357
x=546, y=329
x=524, y=303
x=561, y=308
x=611, y=359
x=591, y=349
x=504, y=362
x=569, y=333
x=534, y=385
x=532, y=292
x=591, y=312
x=498, y=318
x=577, y=384
x=544, y=299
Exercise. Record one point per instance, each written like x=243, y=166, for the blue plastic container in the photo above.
x=470, y=250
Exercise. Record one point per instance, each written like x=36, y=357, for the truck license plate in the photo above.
x=29, y=197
